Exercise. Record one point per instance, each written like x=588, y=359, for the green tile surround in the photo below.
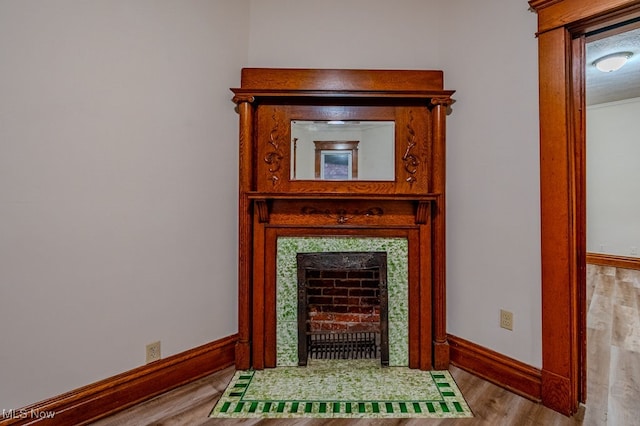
x=286, y=290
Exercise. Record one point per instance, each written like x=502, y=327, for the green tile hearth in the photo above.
x=342, y=389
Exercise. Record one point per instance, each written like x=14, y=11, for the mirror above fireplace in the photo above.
x=342, y=150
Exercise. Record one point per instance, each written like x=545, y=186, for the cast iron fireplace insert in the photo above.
x=342, y=306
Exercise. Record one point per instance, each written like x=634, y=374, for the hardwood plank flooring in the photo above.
x=613, y=346
x=613, y=382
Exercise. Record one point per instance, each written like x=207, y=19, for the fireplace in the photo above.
x=342, y=306
x=400, y=212
x=391, y=263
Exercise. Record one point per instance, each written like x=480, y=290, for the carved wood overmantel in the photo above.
x=408, y=203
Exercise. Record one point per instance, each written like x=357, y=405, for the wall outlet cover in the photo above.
x=506, y=320
x=153, y=351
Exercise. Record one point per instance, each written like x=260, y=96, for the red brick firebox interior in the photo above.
x=343, y=300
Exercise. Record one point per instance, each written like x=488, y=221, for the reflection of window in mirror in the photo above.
x=375, y=151
x=336, y=160
x=336, y=165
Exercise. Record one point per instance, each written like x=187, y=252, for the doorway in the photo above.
x=609, y=95
x=613, y=105
x=562, y=25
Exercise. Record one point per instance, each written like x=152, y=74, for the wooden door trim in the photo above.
x=554, y=14
x=561, y=88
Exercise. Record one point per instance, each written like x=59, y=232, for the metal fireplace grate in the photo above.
x=340, y=340
x=357, y=345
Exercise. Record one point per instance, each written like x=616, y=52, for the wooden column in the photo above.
x=427, y=313
x=440, y=344
x=243, y=347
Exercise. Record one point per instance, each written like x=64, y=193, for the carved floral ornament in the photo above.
x=411, y=161
x=274, y=157
x=342, y=216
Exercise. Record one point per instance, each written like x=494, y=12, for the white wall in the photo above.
x=373, y=34
x=493, y=242
x=117, y=207
x=118, y=153
x=613, y=178
x=493, y=216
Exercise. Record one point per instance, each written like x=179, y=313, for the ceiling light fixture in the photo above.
x=612, y=62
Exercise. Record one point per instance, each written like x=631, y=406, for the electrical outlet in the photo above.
x=153, y=351
x=506, y=319
x=634, y=251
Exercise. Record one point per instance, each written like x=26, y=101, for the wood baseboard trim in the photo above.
x=508, y=373
x=613, y=260
x=124, y=390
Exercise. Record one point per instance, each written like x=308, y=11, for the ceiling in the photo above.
x=618, y=85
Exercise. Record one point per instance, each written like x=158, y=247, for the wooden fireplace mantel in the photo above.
x=340, y=203
x=273, y=204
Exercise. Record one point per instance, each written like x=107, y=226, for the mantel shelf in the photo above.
x=363, y=94
x=340, y=196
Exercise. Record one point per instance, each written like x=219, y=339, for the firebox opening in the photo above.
x=342, y=306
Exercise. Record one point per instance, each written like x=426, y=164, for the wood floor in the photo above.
x=613, y=383
x=613, y=346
